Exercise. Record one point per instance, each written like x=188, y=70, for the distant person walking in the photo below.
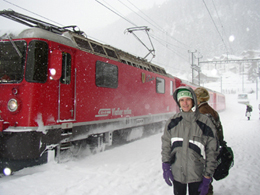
x=204, y=108
x=249, y=109
x=189, y=147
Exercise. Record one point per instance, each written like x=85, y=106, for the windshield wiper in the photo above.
x=14, y=45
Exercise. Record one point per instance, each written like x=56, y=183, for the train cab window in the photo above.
x=66, y=68
x=106, y=75
x=160, y=85
x=12, y=61
x=37, y=62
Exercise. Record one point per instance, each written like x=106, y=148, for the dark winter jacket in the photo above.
x=249, y=108
x=190, y=145
x=205, y=108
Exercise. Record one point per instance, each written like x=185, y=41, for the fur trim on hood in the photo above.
x=202, y=94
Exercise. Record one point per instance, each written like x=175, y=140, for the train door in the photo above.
x=66, y=110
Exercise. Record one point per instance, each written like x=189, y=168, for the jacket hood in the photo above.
x=195, y=107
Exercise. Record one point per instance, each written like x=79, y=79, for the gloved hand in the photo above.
x=204, y=186
x=167, y=173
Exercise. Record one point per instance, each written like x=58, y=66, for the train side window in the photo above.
x=98, y=48
x=66, y=68
x=106, y=75
x=111, y=53
x=82, y=43
x=37, y=62
x=154, y=69
x=163, y=71
x=160, y=85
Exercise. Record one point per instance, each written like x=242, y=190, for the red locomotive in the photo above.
x=60, y=89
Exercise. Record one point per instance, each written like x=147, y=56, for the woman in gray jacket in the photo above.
x=189, y=147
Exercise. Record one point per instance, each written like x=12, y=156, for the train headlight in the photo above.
x=12, y=105
x=53, y=73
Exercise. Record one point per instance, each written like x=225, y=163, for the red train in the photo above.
x=62, y=90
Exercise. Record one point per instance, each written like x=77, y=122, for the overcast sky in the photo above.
x=86, y=14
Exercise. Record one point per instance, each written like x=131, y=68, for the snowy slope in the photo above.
x=135, y=168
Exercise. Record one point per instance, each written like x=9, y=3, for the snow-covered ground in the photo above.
x=135, y=168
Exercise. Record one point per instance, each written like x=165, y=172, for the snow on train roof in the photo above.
x=40, y=33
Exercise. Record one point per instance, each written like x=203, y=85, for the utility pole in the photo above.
x=192, y=64
x=257, y=80
x=242, y=72
x=199, y=69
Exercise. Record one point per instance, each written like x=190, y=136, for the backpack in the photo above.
x=225, y=162
x=225, y=158
x=218, y=127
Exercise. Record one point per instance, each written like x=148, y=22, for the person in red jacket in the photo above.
x=204, y=108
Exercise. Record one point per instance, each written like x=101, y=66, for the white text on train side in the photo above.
x=113, y=111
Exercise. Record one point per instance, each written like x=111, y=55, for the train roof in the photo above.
x=81, y=42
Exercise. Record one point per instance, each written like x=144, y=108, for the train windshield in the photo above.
x=12, y=58
x=37, y=62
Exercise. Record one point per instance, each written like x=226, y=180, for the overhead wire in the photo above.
x=159, y=40
x=153, y=23
x=157, y=27
x=150, y=22
x=32, y=12
x=221, y=25
x=180, y=55
x=215, y=25
x=116, y=12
